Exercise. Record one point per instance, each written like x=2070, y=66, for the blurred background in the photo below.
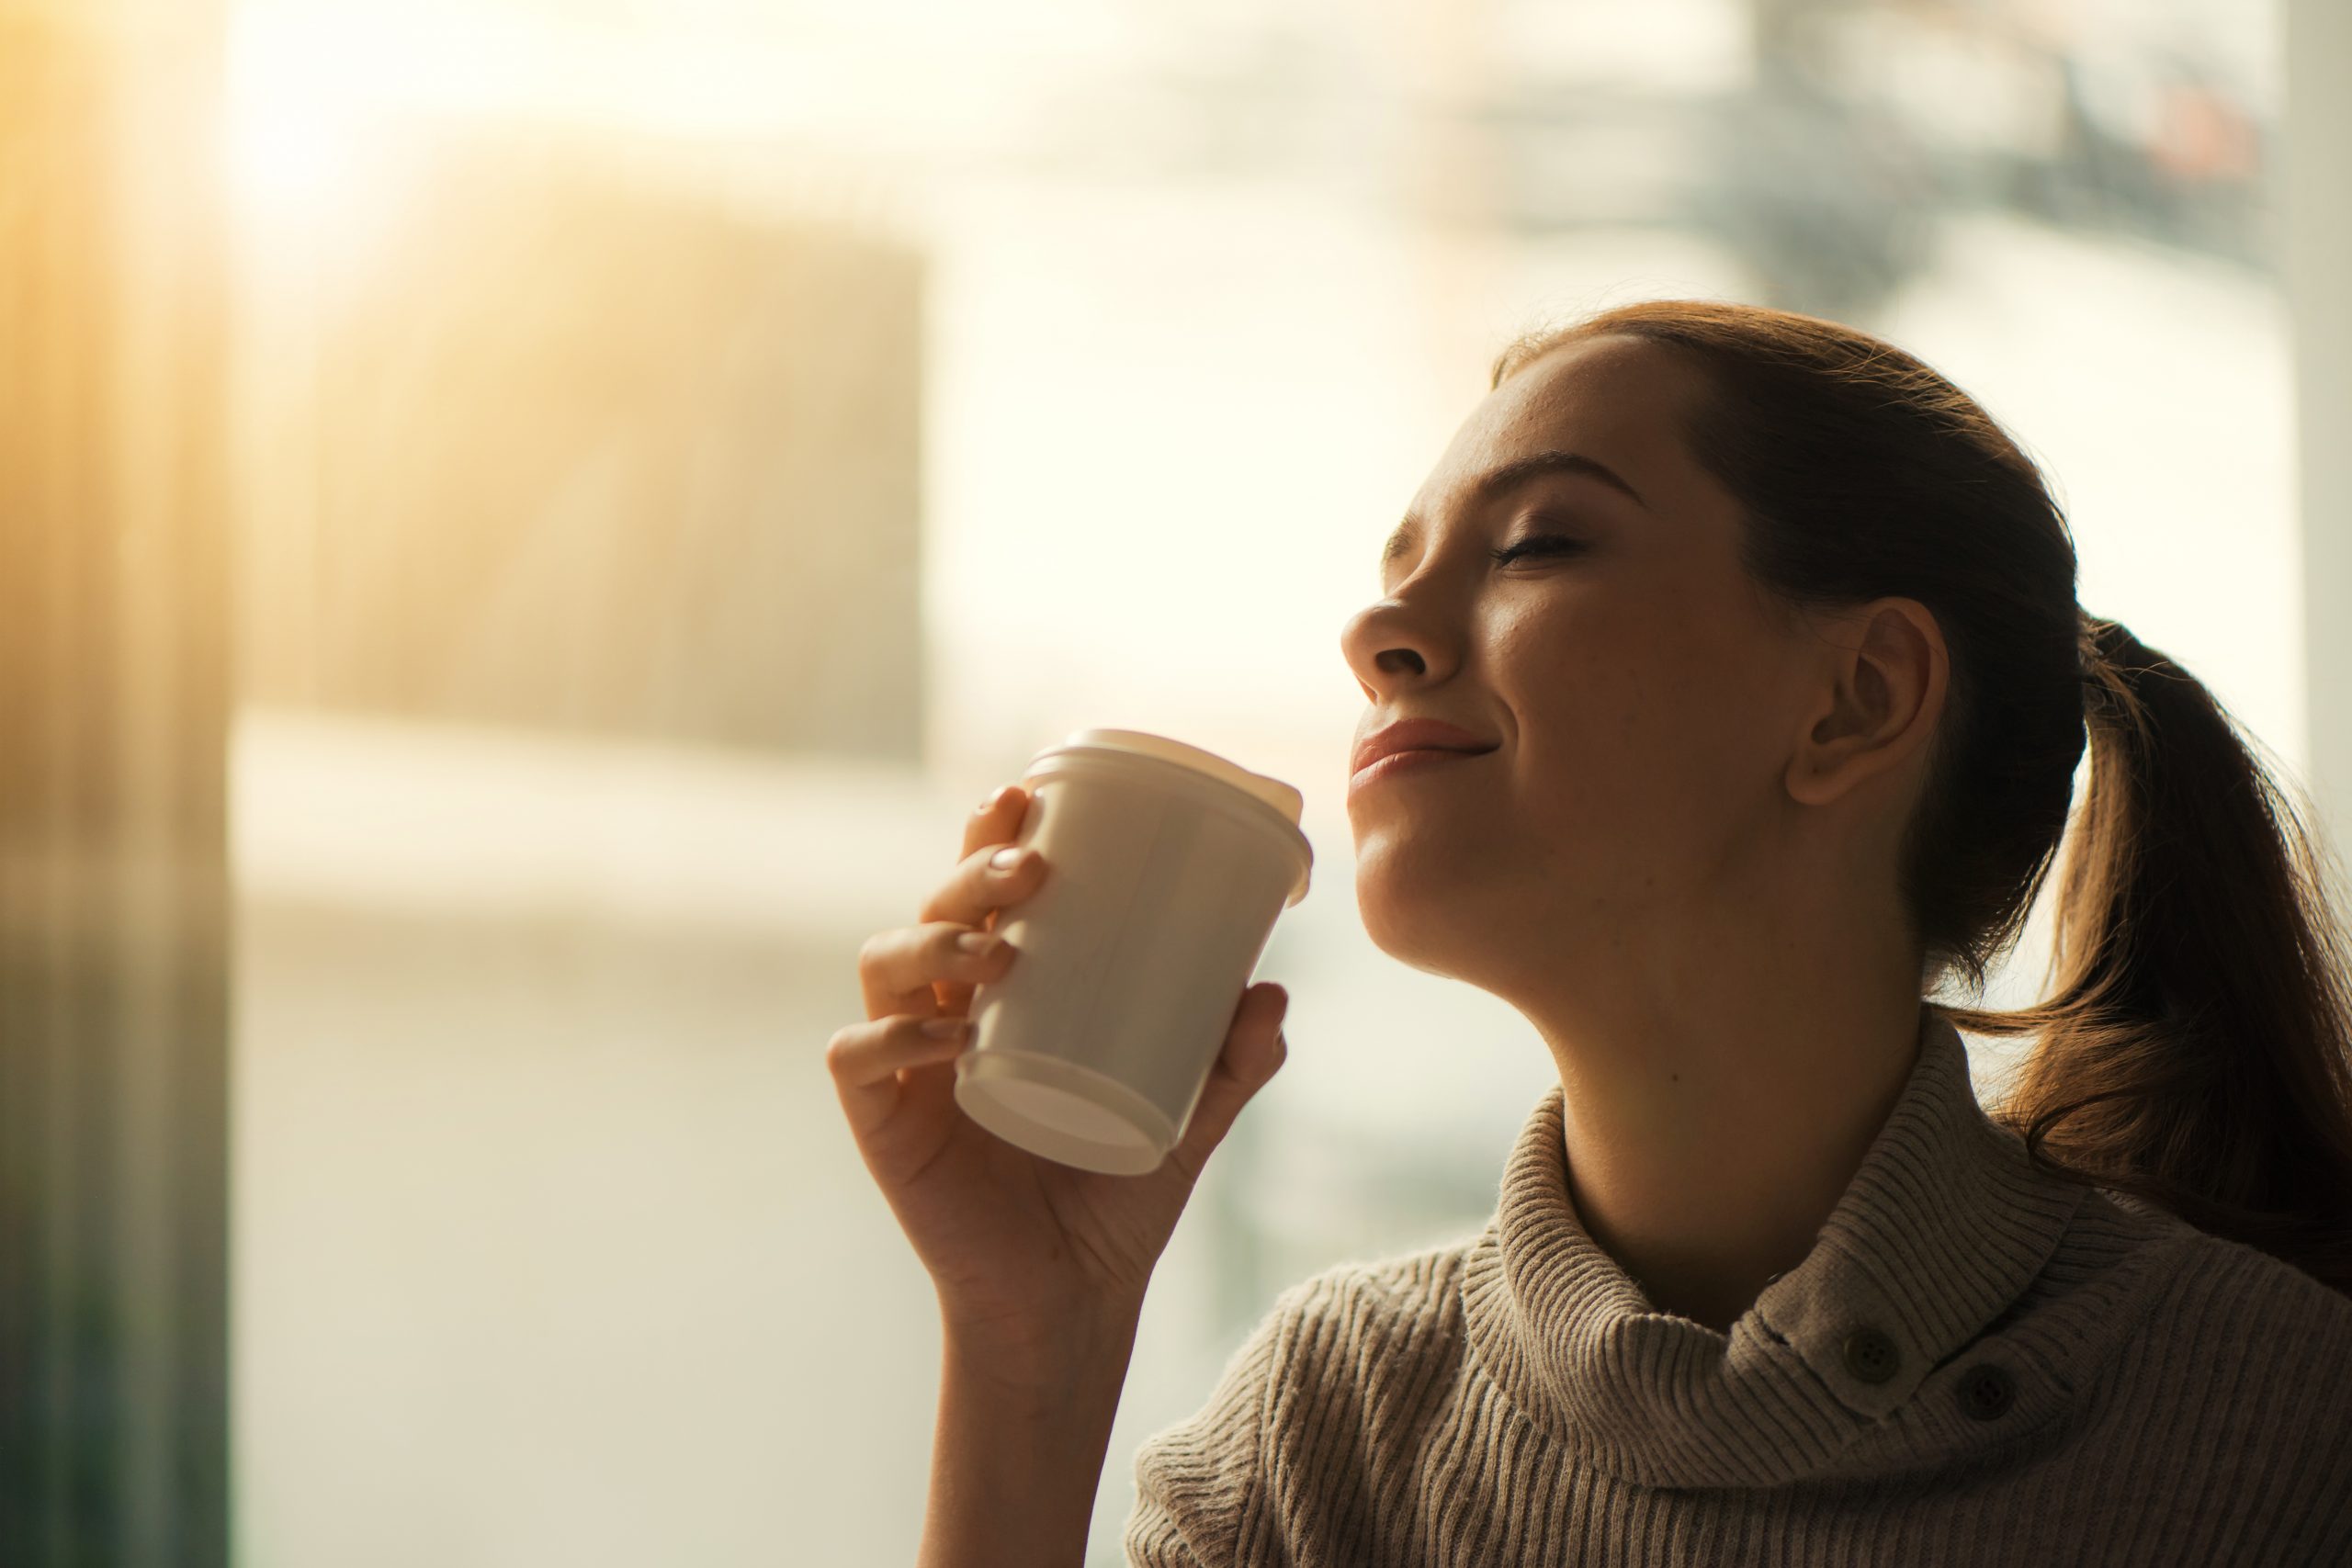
x=563, y=506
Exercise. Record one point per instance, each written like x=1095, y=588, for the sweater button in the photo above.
x=1871, y=1355
x=1987, y=1391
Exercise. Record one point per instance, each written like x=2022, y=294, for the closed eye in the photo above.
x=1538, y=545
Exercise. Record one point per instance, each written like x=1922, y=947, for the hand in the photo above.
x=1017, y=1246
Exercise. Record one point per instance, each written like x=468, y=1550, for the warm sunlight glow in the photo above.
x=320, y=92
x=285, y=147
x=297, y=88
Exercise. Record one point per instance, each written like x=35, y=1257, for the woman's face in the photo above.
x=1641, y=693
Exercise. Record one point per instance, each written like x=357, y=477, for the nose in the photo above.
x=1387, y=646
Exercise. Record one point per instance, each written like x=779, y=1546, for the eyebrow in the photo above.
x=1492, y=484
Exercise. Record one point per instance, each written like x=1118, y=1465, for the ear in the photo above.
x=1883, y=669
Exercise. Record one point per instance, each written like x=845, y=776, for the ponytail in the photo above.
x=2195, y=1049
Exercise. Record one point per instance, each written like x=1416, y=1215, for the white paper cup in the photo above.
x=1166, y=868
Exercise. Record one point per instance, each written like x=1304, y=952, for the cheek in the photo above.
x=1639, y=724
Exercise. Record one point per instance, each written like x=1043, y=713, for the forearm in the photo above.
x=1019, y=1447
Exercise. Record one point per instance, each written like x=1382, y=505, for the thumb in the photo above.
x=1254, y=1051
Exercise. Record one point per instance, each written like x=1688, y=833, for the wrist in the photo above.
x=1017, y=1456
x=1039, y=1327
x=1067, y=1353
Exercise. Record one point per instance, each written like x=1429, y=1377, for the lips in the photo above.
x=1416, y=735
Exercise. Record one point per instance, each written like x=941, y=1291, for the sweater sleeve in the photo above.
x=1195, y=1480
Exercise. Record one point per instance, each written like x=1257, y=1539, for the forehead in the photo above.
x=1618, y=399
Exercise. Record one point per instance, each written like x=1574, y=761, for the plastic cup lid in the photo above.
x=1273, y=792
x=1281, y=796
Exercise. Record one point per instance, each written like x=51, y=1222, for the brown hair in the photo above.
x=2196, y=1049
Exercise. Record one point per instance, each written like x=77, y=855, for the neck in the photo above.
x=1722, y=1092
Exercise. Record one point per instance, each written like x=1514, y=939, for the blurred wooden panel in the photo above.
x=561, y=443
x=113, y=1009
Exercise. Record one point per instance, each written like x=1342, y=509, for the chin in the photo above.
x=1420, y=921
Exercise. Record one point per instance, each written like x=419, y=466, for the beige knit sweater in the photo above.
x=1975, y=1364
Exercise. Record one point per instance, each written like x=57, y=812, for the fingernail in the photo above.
x=979, y=942
x=1007, y=858
x=989, y=804
x=946, y=1028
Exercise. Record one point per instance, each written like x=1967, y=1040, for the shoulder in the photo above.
x=2235, y=1379
x=1366, y=1347
x=2229, y=1308
x=1352, y=1323
x=1336, y=1355
x=1391, y=1304
x=2216, y=1295
x=2177, y=1328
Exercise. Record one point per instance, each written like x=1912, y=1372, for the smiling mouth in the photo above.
x=1401, y=761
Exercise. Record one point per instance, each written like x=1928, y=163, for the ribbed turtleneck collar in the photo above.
x=1942, y=1227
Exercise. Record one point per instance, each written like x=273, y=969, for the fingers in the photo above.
x=865, y=1060
x=1254, y=1052
x=977, y=886
x=897, y=969
x=998, y=821
x=918, y=969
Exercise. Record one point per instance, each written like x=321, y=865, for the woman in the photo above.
x=1760, y=644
